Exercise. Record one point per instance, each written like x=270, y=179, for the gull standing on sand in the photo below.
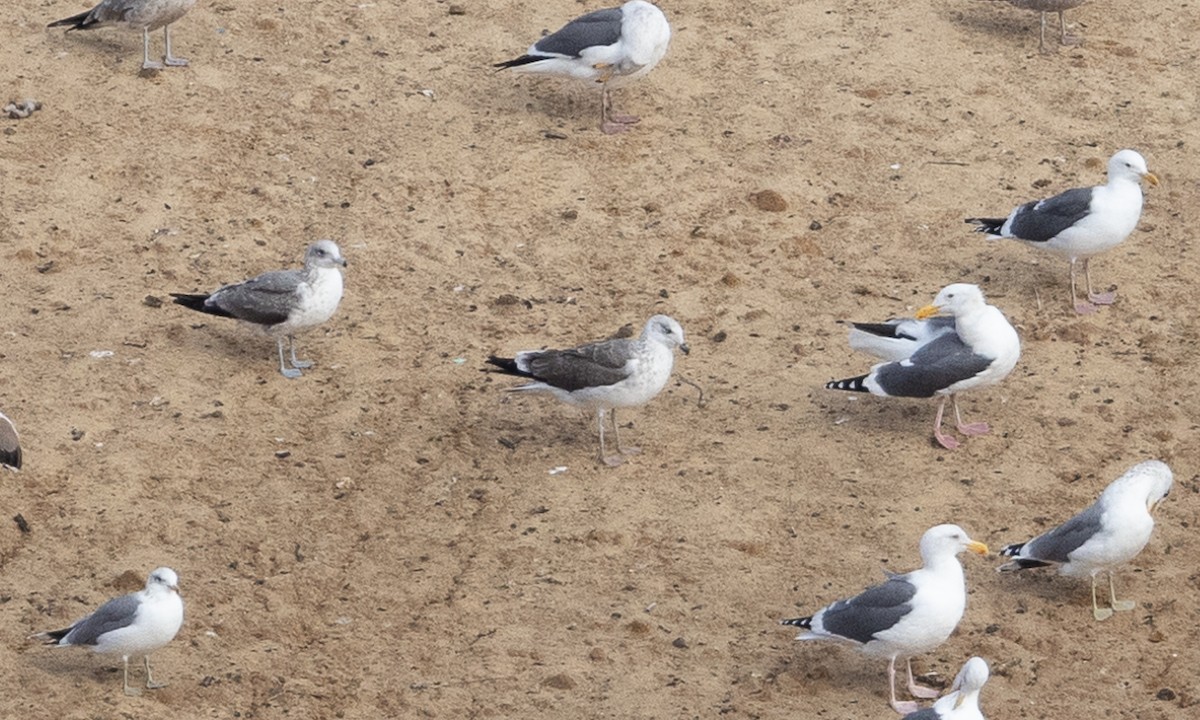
x=132, y=625
x=144, y=15
x=1109, y=533
x=282, y=302
x=10, y=444
x=962, y=702
x=603, y=376
x=905, y=615
x=979, y=350
x=1081, y=222
x=611, y=47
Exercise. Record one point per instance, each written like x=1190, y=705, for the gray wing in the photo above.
x=874, y=610
x=10, y=443
x=112, y=615
x=595, y=365
x=602, y=27
x=267, y=299
x=925, y=714
x=1057, y=544
x=110, y=11
x=939, y=364
x=1042, y=220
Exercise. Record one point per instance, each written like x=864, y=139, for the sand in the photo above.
x=385, y=538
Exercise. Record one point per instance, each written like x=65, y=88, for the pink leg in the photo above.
x=979, y=428
x=605, y=458
x=906, y=707
x=1081, y=306
x=919, y=691
x=630, y=450
x=611, y=124
x=1098, y=298
x=944, y=440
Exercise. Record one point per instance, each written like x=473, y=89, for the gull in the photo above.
x=281, y=302
x=1082, y=222
x=905, y=615
x=603, y=376
x=132, y=625
x=1109, y=533
x=979, y=350
x=144, y=15
x=610, y=47
x=10, y=444
x=962, y=702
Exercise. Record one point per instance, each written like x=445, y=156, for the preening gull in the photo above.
x=10, y=444
x=603, y=376
x=1051, y=6
x=927, y=358
x=132, y=625
x=1112, y=531
x=281, y=302
x=144, y=15
x=962, y=702
x=1081, y=222
x=905, y=615
x=610, y=47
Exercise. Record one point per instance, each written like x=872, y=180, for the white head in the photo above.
x=971, y=678
x=957, y=299
x=942, y=541
x=1148, y=481
x=323, y=254
x=664, y=329
x=164, y=578
x=1130, y=165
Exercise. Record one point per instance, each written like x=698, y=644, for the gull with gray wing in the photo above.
x=962, y=702
x=144, y=15
x=603, y=376
x=132, y=625
x=1109, y=533
x=282, y=302
x=10, y=444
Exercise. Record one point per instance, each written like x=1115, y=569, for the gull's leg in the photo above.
x=979, y=428
x=1098, y=298
x=147, y=63
x=919, y=691
x=1098, y=612
x=128, y=690
x=611, y=124
x=287, y=372
x=944, y=440
x=150, y=678
x=632, y=449
x=906, y=707
x=1063, y=37
x=171, y=59
x=1042, y=45
x=1118, y=605
x=297, y=363
x=1081, y=306
x=605, y=458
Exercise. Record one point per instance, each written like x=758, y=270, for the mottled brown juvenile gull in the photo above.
x=610, y=47
x=1081, y=222
x=1109, y=533
x=132, y=625
x=282, y=302
x=10, y=444
x=905, y=615
x=962, y=702
x=980, y=351
x=603, y=376
x=144, y=15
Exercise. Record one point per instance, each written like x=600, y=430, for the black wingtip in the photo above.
x=11, y=459
x=506, y=365
x=52, y=637
x=76, y=22
x=517, y=62
x=800, y=622
x=1011, y=550
x=854, y=384
x=990, y=226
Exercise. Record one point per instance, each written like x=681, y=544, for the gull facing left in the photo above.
x=132, y=625
x=144, y=15
x=605, y=375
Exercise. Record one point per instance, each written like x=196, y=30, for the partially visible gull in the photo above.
x=979, y=351
x=281, y=302
x=1051, y=6
x=905, y=615
x=10, y=444
x=1109, y=533
x=144, y=15
x=962, y=702
x=603, y=376
x=1081, y=222
x=610, y=47
x=132, y=625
